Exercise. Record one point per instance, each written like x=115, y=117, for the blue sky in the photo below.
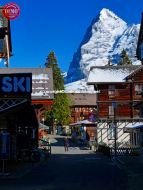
x=59, y=26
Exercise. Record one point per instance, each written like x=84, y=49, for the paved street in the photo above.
x=133, y=166
x=79, y=168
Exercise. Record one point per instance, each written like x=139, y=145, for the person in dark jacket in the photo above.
x=66, y=144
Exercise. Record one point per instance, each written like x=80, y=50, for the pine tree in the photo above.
x=125, y=58
x=60, y=111
x=58, y=80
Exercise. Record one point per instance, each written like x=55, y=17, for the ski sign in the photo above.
x=17, y=83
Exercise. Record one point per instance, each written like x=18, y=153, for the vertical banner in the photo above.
x=4, y=145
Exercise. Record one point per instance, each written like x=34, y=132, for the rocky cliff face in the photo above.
x=105, y=38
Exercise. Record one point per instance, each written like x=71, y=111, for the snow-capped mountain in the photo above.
x=105, y=38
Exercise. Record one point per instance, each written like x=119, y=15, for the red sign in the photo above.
x=11, y=11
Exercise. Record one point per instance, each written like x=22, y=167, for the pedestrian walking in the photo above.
x=49, y=145
x=66, y=144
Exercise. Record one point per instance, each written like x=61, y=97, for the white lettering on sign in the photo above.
x=16, y=84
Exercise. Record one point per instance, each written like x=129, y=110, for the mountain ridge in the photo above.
x=105, y=38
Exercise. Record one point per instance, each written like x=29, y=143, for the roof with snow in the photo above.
x=110, y=74
x=79, y=86
x=135, y=72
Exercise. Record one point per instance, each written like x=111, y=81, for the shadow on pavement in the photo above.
x=70, y=171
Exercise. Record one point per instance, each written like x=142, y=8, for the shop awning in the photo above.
x=137, y=125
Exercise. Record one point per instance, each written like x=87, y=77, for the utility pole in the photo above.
x=115, y=130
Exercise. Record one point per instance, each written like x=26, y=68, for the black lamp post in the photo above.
x=115, y=129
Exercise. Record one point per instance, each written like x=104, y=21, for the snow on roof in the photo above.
x=79, y=87
x=109, y=74
x=134, y=72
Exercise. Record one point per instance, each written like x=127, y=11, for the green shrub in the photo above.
x=102, y=147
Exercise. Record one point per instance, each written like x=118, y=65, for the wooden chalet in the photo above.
x=120, y=94
x=83, y=115
x=82, y=106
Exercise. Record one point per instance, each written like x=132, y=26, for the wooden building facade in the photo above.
x=119, y=102
x=83, y=115
x=82, y=106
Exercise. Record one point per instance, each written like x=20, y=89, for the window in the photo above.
x=111, y=131
x=111, y=90
x=111, y=110
x=138, y=89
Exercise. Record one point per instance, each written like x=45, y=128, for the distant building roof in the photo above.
x=82, y=99
x=110, y=74
x=42, y=80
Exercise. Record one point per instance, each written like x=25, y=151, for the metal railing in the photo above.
x=126, y=151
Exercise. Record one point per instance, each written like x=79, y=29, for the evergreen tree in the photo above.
x=58, y=80
x=125, y=58
x=60, y=111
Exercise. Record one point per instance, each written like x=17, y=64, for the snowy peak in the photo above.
x=109, y=20
x=106, y=14
x=104, y=39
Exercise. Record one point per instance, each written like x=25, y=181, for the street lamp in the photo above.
x=43, y=119
x=55, y=123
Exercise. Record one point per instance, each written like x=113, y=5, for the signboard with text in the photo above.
x=16, y=83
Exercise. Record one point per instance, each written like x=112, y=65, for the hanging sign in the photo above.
x=11, y=11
